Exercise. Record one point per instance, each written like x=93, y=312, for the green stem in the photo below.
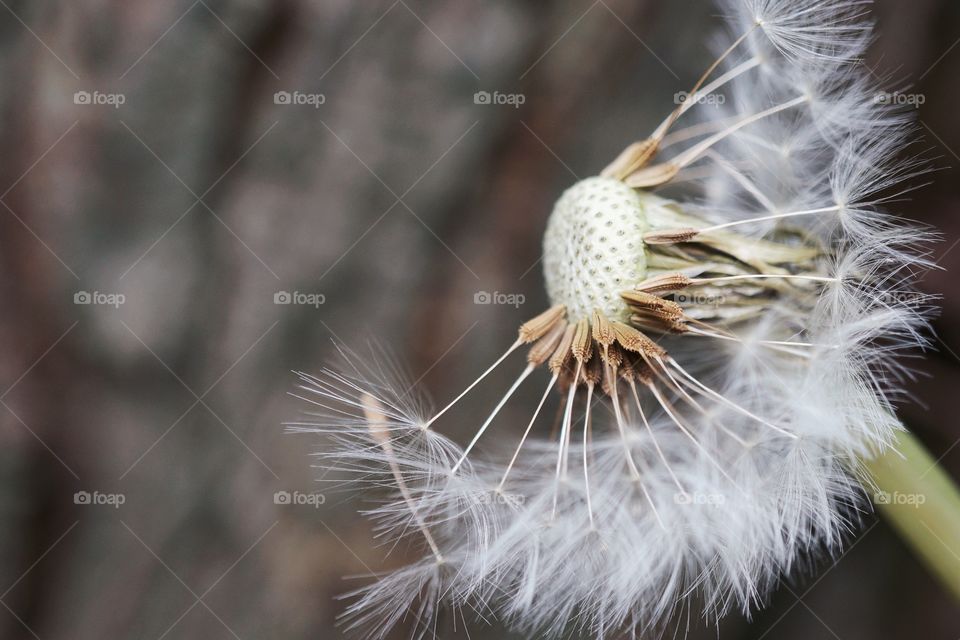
x=922, y=503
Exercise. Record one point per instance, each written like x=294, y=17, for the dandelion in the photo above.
x=728, y=302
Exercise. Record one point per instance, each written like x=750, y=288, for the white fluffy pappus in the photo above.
x=731, y=305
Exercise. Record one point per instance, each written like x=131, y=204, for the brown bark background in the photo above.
x=398, y=199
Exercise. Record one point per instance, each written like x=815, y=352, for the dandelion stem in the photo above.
x=483, y=375
x=618, y=412
x=697, y=130
x=772, y=216
x=695, y=92
x=728, y=402
x=673, y=416
x=673, y=384
x=777, y=345
x=374, y=413
x=693, y=153
x=922, y=503
x=564, y=438
x=516, y=454
x=761, y=276
x=653, y=438
x=743, y=180
x=615, y=400
x=586, y=446
x=493, y=414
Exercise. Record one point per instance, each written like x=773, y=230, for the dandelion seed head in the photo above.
x=592, y=248
x=729, y=304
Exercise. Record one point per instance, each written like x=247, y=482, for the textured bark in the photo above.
x=199, y=198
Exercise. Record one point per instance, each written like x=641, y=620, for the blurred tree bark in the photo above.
x=397, y=199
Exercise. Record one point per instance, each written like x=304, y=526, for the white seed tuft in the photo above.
x=736, y=387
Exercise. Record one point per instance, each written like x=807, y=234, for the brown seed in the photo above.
x=642, y=371
x=670, y=236
x=658, y=323
x=593, y=371
x=614, y=356
x=582, y=345
x=634, y=157
x=373, y=412
x=545, y=346
x=559, y=358
x=539, y=326
x=652, y=176
x=602, y=330
x=654, y=304
x=634, y=340
x=609, y=378
x=664, y=283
